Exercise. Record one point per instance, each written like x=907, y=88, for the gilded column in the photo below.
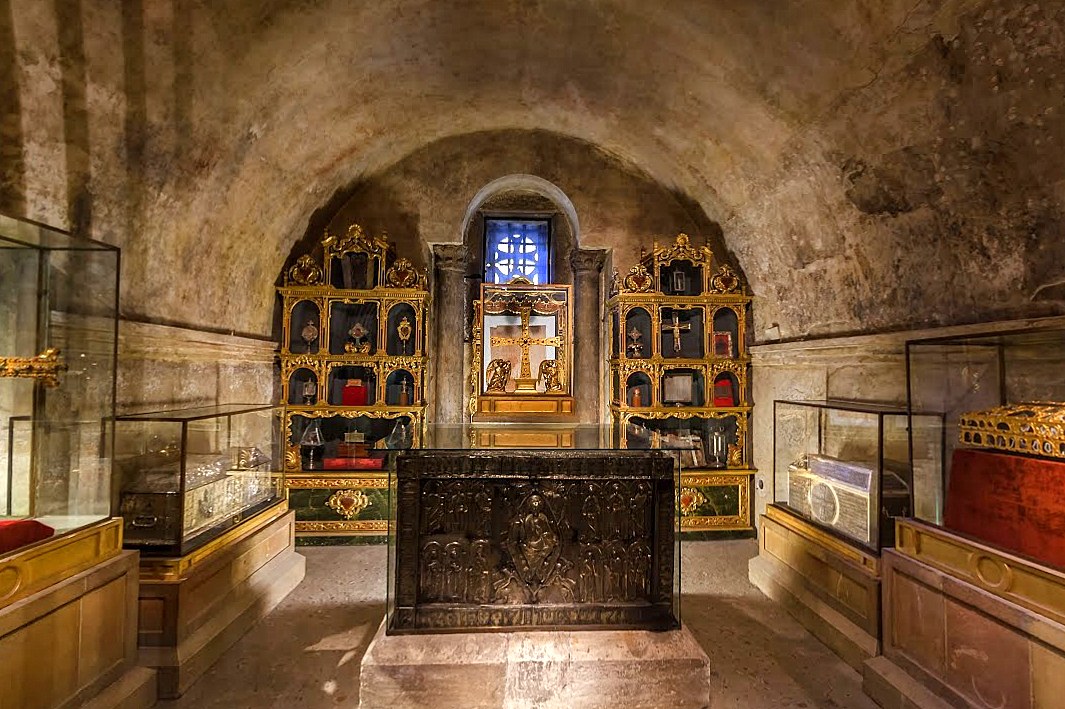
x=587, y=334
x=449, y=268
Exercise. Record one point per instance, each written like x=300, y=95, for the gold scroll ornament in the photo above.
x=45, y=367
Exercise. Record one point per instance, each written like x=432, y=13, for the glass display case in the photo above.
x=845, y=465
x=979, y=373
x=58, y=336
x=188, y=475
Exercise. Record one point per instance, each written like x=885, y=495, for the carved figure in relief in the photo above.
x=551, y=375
x=614, y=588
x=638, y=517
x=533, y=541
x=432, y=509
x=590, y=574
x=560, y=589
x=511, y=589
x=479, y=585
x=482, y=500
x=590, y=512
x=455, y=565
x=637, y=570
x=616, y=515
x=432, y=572
x=458, y=507
x=497, y=376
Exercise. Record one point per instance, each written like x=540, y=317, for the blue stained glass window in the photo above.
x=516, y=248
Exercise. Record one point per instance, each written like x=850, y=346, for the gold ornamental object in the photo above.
x=45, y=367
x=348, y=503
x=1036, y=428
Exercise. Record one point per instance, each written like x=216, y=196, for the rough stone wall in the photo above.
x=874, y=164
x=930, y=195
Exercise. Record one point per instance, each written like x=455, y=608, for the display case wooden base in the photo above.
x=831, y=587
x=966, y=624
x=193, y=608
x=68, y=624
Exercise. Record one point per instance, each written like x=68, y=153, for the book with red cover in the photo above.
x=353, y=463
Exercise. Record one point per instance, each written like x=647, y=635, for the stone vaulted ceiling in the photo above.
x=871, y=163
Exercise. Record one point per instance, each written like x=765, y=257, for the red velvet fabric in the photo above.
x=1011, y=501
x=353, y=395
x=15, y=533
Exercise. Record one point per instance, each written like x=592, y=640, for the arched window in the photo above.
x=517, y=247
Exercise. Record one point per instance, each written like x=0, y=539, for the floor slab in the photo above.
x=307, y=652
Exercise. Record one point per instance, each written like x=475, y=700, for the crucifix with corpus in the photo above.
x=677, y=328
x=525, y=382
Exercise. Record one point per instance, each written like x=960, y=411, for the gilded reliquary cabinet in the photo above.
x=353, y=364
x=679, y=376
x=522, y=343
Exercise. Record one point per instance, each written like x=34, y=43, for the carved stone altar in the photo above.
x=491, y=540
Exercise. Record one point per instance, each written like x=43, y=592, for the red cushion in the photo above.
x=353, y=463
x=1011, y=501
x=15, y=533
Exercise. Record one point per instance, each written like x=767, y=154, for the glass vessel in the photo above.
x=845, y=466
x=958, y=375
x=188, y=475
x=58, y=338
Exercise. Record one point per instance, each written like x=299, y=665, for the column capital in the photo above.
x=585, y=260
x=449, y=257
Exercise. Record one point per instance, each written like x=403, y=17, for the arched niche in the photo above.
x=303, y=387
x=724, y=340
x=726, y=390
x=343, y=318
x=400, y=338
x=352, y=385
x=637, y=334
x=639, y=390
x=396, y=383
x=306, y=329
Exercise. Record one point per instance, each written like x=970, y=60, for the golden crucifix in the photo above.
x=525, y=382
x=677, y=328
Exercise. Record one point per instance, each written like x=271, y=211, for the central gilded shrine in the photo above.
x=523, y=362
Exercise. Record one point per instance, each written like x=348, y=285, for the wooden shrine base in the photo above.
x=193, y=608
x=540, y=406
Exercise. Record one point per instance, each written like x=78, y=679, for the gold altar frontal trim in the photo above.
x=373, y=481
x=175, y=569
x=1035, y=429
x=1038, y=588
x=740, y=479
x=35, y=568
x=356, y=527
x=528, y=405
x=869, y=563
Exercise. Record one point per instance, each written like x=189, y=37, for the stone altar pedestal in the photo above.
x=567, y=669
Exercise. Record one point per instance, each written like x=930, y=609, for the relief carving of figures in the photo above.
x=455, y=571
x=614, y=588
x=479, y=584
x=458, y=508
x=432, y=509
x=560, y=589
x=638, y=517
x=533, y=541
x=590, y=513
x=497, y=376
x=432, y=572
x=590, y=574
x=616, y=514
x=637, y=571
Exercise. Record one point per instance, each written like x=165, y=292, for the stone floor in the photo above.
x=307, y=652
